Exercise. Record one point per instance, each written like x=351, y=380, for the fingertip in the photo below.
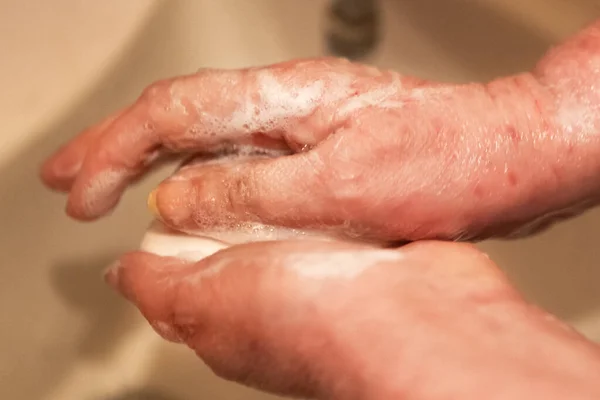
x=151, y=203
x=111, y=275
x=266, y=191
x=96, y=191
x=85, y=210
x=173, y=202
x=58, y=172
x=143, y=278
x=48, y=178
x=118, y=274
x=76, y=212
x=146, y=280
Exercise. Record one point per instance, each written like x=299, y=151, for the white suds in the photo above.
x=256, y=232
x=161, y=241
x=576, y=118
x=326, y=265
x=166, y=331
x=345, y=265
x=105, y=182
x=278, y=103
x=373, y=98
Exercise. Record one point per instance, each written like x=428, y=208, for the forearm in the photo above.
x=571, y=74
x=542, y=142
x=515, y=352
x=568, y=133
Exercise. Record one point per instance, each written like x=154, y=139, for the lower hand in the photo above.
x=333, y=320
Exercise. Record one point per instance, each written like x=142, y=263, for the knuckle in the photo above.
x=243, y=192
x=347, y=182
x=156, y=91
x=321, y=180
x=156, y=99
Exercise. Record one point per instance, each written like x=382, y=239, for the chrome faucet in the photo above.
x=142, y=394
x=352, y=28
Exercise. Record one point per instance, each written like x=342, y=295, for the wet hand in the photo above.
x=333, y=320
x=358, y=151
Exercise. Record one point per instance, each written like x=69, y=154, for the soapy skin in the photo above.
x=164, y=241
x=238, y=232
x=342, y=321
x=374, y=154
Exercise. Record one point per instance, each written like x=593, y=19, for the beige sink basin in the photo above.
x=67, y=337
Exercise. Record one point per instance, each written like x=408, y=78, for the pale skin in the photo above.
x=368, y=154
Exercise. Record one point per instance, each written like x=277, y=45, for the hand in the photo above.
x=333, y=320
x=374, y=154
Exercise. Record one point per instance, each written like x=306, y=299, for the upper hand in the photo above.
x=373, y=154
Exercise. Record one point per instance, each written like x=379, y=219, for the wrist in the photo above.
x=570, y=76
x=571, y=72
x=556, y=160
x=517, y=354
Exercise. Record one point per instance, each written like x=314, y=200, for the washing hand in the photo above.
x=372, y=153
x=365, y=153
x=333, y=320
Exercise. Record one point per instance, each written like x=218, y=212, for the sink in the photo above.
x=68, y=337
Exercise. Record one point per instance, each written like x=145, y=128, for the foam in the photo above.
x=347, y=265
x=107, y=181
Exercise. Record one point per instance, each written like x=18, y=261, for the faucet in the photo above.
x=142, y=394
x=352, y=28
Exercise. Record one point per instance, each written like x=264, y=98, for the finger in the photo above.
x=245, y=310
x=329, y=320
x=316, y=191
x=206, y=111
x=287, y=192
x=60, y=170
x=129, y=277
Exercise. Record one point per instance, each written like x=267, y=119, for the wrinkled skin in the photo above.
x=335, y=320
x=369, y=154
x=382, y=156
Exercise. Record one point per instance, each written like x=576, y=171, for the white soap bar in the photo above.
x=166, y=242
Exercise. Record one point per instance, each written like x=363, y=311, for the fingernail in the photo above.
x=152, y=206
x=111, y=275
x=166, y=331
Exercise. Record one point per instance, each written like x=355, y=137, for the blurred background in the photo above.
x=68, y=63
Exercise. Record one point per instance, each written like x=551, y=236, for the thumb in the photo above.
x=215, y=197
